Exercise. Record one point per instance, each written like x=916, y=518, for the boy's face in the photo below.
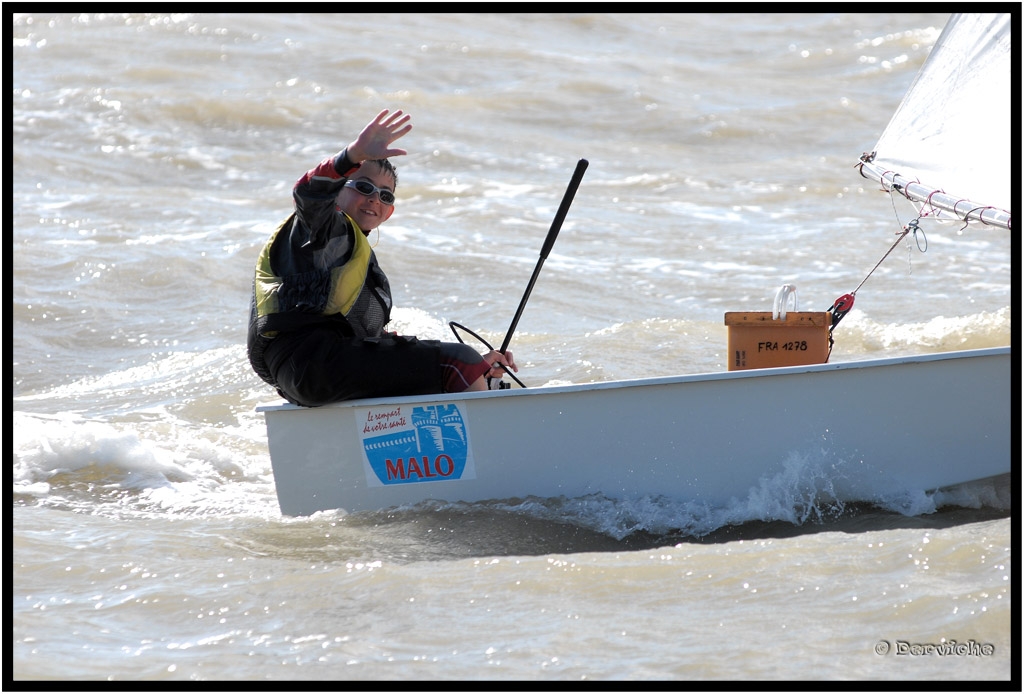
x=367, y=210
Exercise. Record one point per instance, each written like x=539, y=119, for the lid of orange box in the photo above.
x=803, y=319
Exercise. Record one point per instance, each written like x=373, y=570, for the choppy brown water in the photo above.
x=153, y=154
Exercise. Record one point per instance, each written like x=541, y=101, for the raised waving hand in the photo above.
x=374, y=142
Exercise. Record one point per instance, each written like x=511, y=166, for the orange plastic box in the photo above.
x=757, y=341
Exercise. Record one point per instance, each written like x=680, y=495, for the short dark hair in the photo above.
x=386, y=165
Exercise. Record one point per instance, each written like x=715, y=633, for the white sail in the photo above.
x=947, y=146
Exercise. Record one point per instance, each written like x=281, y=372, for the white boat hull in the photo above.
x=870, y=427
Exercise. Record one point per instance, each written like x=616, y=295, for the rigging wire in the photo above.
x=911, y=227
x=844, y=303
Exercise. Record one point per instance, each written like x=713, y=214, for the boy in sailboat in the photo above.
x=320, y=300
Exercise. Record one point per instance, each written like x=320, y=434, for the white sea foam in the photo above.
x=142, y=468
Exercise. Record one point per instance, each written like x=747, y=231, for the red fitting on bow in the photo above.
x=839, y=309
x=843, y=304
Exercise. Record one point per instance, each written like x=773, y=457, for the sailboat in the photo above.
x=924, y=422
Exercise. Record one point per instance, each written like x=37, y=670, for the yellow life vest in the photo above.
x=346, y=281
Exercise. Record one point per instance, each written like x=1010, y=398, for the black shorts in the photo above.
x=319, y=365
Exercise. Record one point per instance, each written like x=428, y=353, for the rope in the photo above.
x=453, y=325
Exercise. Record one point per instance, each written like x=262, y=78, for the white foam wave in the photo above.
x=801, y=493
x=942, y=333
x=141, y=468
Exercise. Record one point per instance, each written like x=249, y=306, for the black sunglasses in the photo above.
x=368, y=189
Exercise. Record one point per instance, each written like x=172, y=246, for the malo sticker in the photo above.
x=408, y=444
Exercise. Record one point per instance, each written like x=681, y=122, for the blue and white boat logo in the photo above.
x=405, y=445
